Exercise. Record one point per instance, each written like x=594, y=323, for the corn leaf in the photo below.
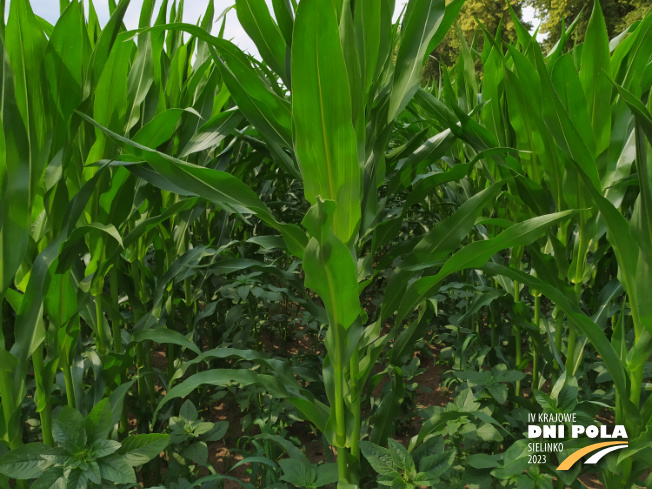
x=594, y=77
x=324, y=137
x=477, y=254
x=422, y=20
x=255, y=18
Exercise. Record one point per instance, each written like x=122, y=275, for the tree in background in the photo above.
x=491, y=13
x=618, y=15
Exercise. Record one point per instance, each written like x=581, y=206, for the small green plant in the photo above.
x=493, y=383
x=401, y=469
x=189, y=438
x=509, y=468
x=297, y=469
x=84, y=455
x=301, y=473
x=564, y=399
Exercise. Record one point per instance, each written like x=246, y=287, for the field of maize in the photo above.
x=312, y=268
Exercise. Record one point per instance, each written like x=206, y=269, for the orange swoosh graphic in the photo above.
x=574, y=457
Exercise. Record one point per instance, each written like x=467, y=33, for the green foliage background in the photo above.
x=618, y=14
x=493, y=15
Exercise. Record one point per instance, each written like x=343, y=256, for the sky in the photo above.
x=194, y=9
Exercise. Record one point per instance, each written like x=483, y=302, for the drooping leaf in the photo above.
x=25, y=462
x=477, y=254
x=220, y=187
x=140, y=449
x=116, y=469
x=588, y=327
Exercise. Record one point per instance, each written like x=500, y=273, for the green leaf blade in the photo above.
x=325, y=140
x=421, y=22
x=596, y=64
